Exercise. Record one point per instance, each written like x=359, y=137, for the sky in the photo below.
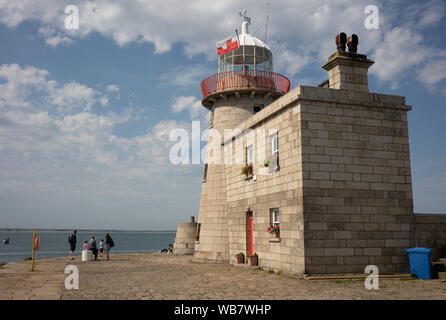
x=85, y=114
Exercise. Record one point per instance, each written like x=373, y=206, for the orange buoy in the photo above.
x=36, y=243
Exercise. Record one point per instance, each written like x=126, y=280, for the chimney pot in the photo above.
x=352, y=43
x=341, y=40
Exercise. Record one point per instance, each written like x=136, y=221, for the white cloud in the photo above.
x=433, y=72
x=423, y=14
x=21, y=83
x=46, y=150
x=112, y=88
x=54, y=38
x=74, y=96
x=190, y=104
x=307, y=29
x=198, y=25
x=51, y=120
x=186, y=76
x=433, y=13
x=289, y=62
x=400, y=51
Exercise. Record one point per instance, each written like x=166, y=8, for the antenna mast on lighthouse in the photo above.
x=267, y=18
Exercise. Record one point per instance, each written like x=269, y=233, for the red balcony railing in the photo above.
x=244, y=79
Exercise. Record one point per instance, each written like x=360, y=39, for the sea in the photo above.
x=55, y=243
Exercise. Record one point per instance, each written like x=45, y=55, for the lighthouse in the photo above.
x=325, y=184
x=244, y=85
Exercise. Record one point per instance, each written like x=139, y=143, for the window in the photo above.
x=238, y=60
x=211, y=119
x=250, y=155
x=274, y=138
x=249, y=49
x=275, y=217
x=246, y=58
x=205, y=174
x=258, y=107
x=273, y=159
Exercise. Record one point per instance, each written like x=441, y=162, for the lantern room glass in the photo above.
x=246, y=58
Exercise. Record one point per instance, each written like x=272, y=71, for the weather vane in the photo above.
x=244, y=16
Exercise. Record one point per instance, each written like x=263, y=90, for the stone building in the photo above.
x=328, y=165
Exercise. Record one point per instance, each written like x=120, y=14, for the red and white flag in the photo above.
x=227, y=45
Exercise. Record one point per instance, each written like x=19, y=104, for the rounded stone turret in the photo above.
x=185, y=238
x=244, y=84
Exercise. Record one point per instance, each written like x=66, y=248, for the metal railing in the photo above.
x=243, y=79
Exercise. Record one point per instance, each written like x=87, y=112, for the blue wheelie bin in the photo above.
x=420, y=262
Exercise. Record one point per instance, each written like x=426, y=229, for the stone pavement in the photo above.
x=18, y=282
x=161, y=276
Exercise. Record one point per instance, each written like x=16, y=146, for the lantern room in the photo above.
x=251, y=54
x=245, y=65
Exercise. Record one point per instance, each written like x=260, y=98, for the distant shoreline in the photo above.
x=76, y=256
x=81, y=231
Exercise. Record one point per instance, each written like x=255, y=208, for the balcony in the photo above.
x=243, y=80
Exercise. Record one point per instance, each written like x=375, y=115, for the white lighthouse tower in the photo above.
x=244, y=84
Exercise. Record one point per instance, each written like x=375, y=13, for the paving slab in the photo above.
x=161, y=276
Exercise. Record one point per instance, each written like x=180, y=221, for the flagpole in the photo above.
x=238, y=40
x=34, y=249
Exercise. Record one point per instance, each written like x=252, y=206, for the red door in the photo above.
x=249, y=232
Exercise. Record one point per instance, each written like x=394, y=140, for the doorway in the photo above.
x=249, y=234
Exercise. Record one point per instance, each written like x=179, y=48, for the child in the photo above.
x=85, y=245
x=101, y=247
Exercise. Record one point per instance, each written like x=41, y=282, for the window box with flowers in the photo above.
x=274, y=228
x=248, y=171
x=253, y=260
x=274, y=231
x=240, y=258
x=272, y=163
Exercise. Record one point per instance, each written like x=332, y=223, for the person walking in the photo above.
x=93, y=248
x=72, y=241
x=108, y=244
x=101, y=247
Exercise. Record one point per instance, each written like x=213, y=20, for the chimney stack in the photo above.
x=348, y=70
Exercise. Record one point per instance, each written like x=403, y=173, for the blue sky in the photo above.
x=85, y=114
